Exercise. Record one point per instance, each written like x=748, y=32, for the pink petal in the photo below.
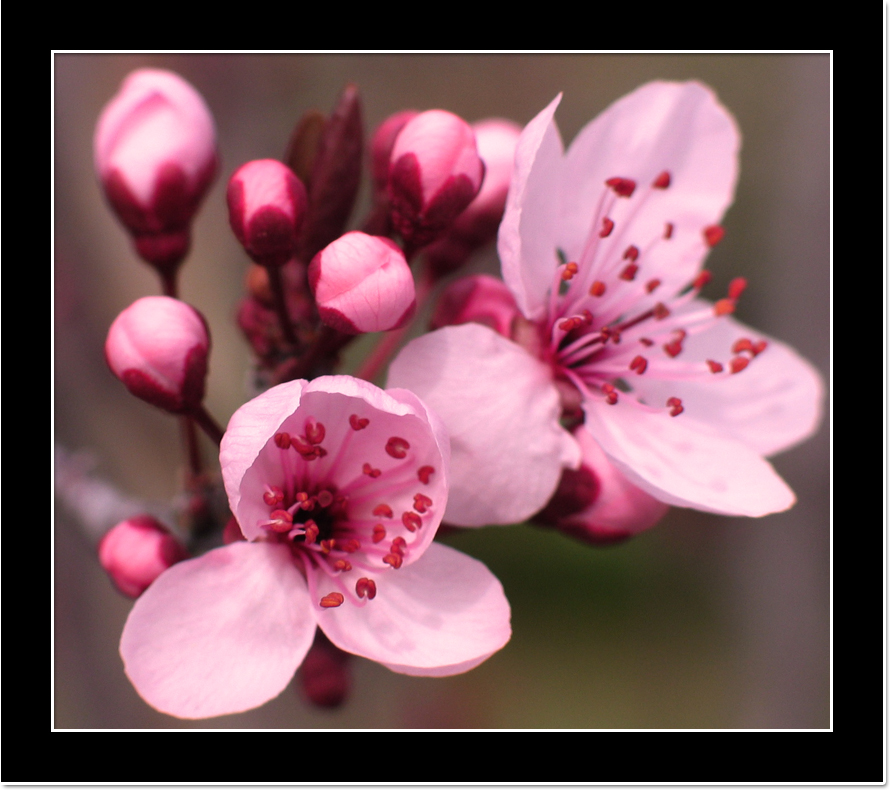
x=773, y=404
x=502, y=411
x=678, y=127
x=528, y=233
x=442, y=615
x=685, y=463
x=251, y=428
x=219, y=634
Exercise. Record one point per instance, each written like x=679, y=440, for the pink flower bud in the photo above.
x=155, y=154
x=362, y=284
x=435, y=172
x=136, y=551
x=381, y=146
x=267, y=205
x=480, y=299
x=158, y=348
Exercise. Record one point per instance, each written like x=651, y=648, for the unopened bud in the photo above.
x=155, y=154
x=435, y=171
x=267, y=205
x=480, y=299
x=325, y=676
x=362, y=284
x=158, y=347
x=136, y=551
x=382, y=143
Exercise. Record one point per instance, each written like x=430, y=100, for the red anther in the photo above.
x=660, y=312
x=366, y=588
x=280, y=521
x=629, y=272
x=639, y=364
x=701, y=279
x=759, y=346
x=341, y=565
x=616, y=336
x=715, y=367
x=422, y=503
x=273, y=496
x=370, y=471
x=624, y=187
x=319, y=452
x=327, y=546
x=303, y=447
x=397, y=447
x=314, y=431
x=357, y=422
x=647, y=342
x=713, y=235
x=606, y=229
x=302, y=497
x=378, y=533
x=742, y=344
x=652, y=285
x=383, y=510
x=598, y=288
x=324, y=497
x=631, y=253
x=311, y=531
x=662, y=180
x=282, y=440
x=349, y=545
x=587, y=317
x=398, y=546
x=611, y=394
x=737, y=287
x=411, y=521
x=394, y=560
x=423, y=474
x=673, y=348
x=738, y=364
x=570, y=271
x=724, y=307
x=676, y=406
x=331, y=600
x=668, y=230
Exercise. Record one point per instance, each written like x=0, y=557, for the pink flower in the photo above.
x=158, y=347
x=362, y=283
x=339, y=488
x=155, y=154
x=602, y=248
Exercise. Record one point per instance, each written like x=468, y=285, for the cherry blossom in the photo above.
x=602, y=247
x=338, y=488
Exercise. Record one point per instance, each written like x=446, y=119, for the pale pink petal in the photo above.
x=528, y=233
x=502, y=410
x=219, y=634
x=442, y=615
x=686, y=463
x=663, y=126
x=251, y=428
x=772, y=405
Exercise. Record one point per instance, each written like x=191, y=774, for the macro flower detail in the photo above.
x=339, y=488
x=602, y=248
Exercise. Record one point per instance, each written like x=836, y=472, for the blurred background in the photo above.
x=702, y=622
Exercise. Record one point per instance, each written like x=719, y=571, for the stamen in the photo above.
x=394, y=560
x=662, y=181
x=358, y=423
x=738, y=364
x=370, y=471
x=611, y=394
x=280, y=521
x=676, y=406
x=742, y=344
x=652, y=285
x=598, y=288
x=629, y=272
x=607, y=227
x=349, y=545
x=304, y=447
x=383, y=510
x=715, y=367
x=378, y=533
x=631, y=253
x=341, y=565
x=759, y=347
x=701, y=280
x=331, y=600
x=737, y=287
x=713, y=235
x=282, y=440
x=668, y=230
x=398, y=546
x=623, y=187
x=724, y=307
x=314, y=431
x=366, y=588
x=411, y=521
x=422, y=503
x=639, y=364
x=647, y=342
x=675, y=346
x=311, y=529
x=570, y=270
x=660, y=312
x=423, y=474
x=397, y=447
x=273, y=496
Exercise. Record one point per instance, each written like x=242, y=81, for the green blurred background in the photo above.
x=703, y=622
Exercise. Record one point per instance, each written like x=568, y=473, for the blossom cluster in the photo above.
x=588, y=389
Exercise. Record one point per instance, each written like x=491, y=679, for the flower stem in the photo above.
x=208, y=424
